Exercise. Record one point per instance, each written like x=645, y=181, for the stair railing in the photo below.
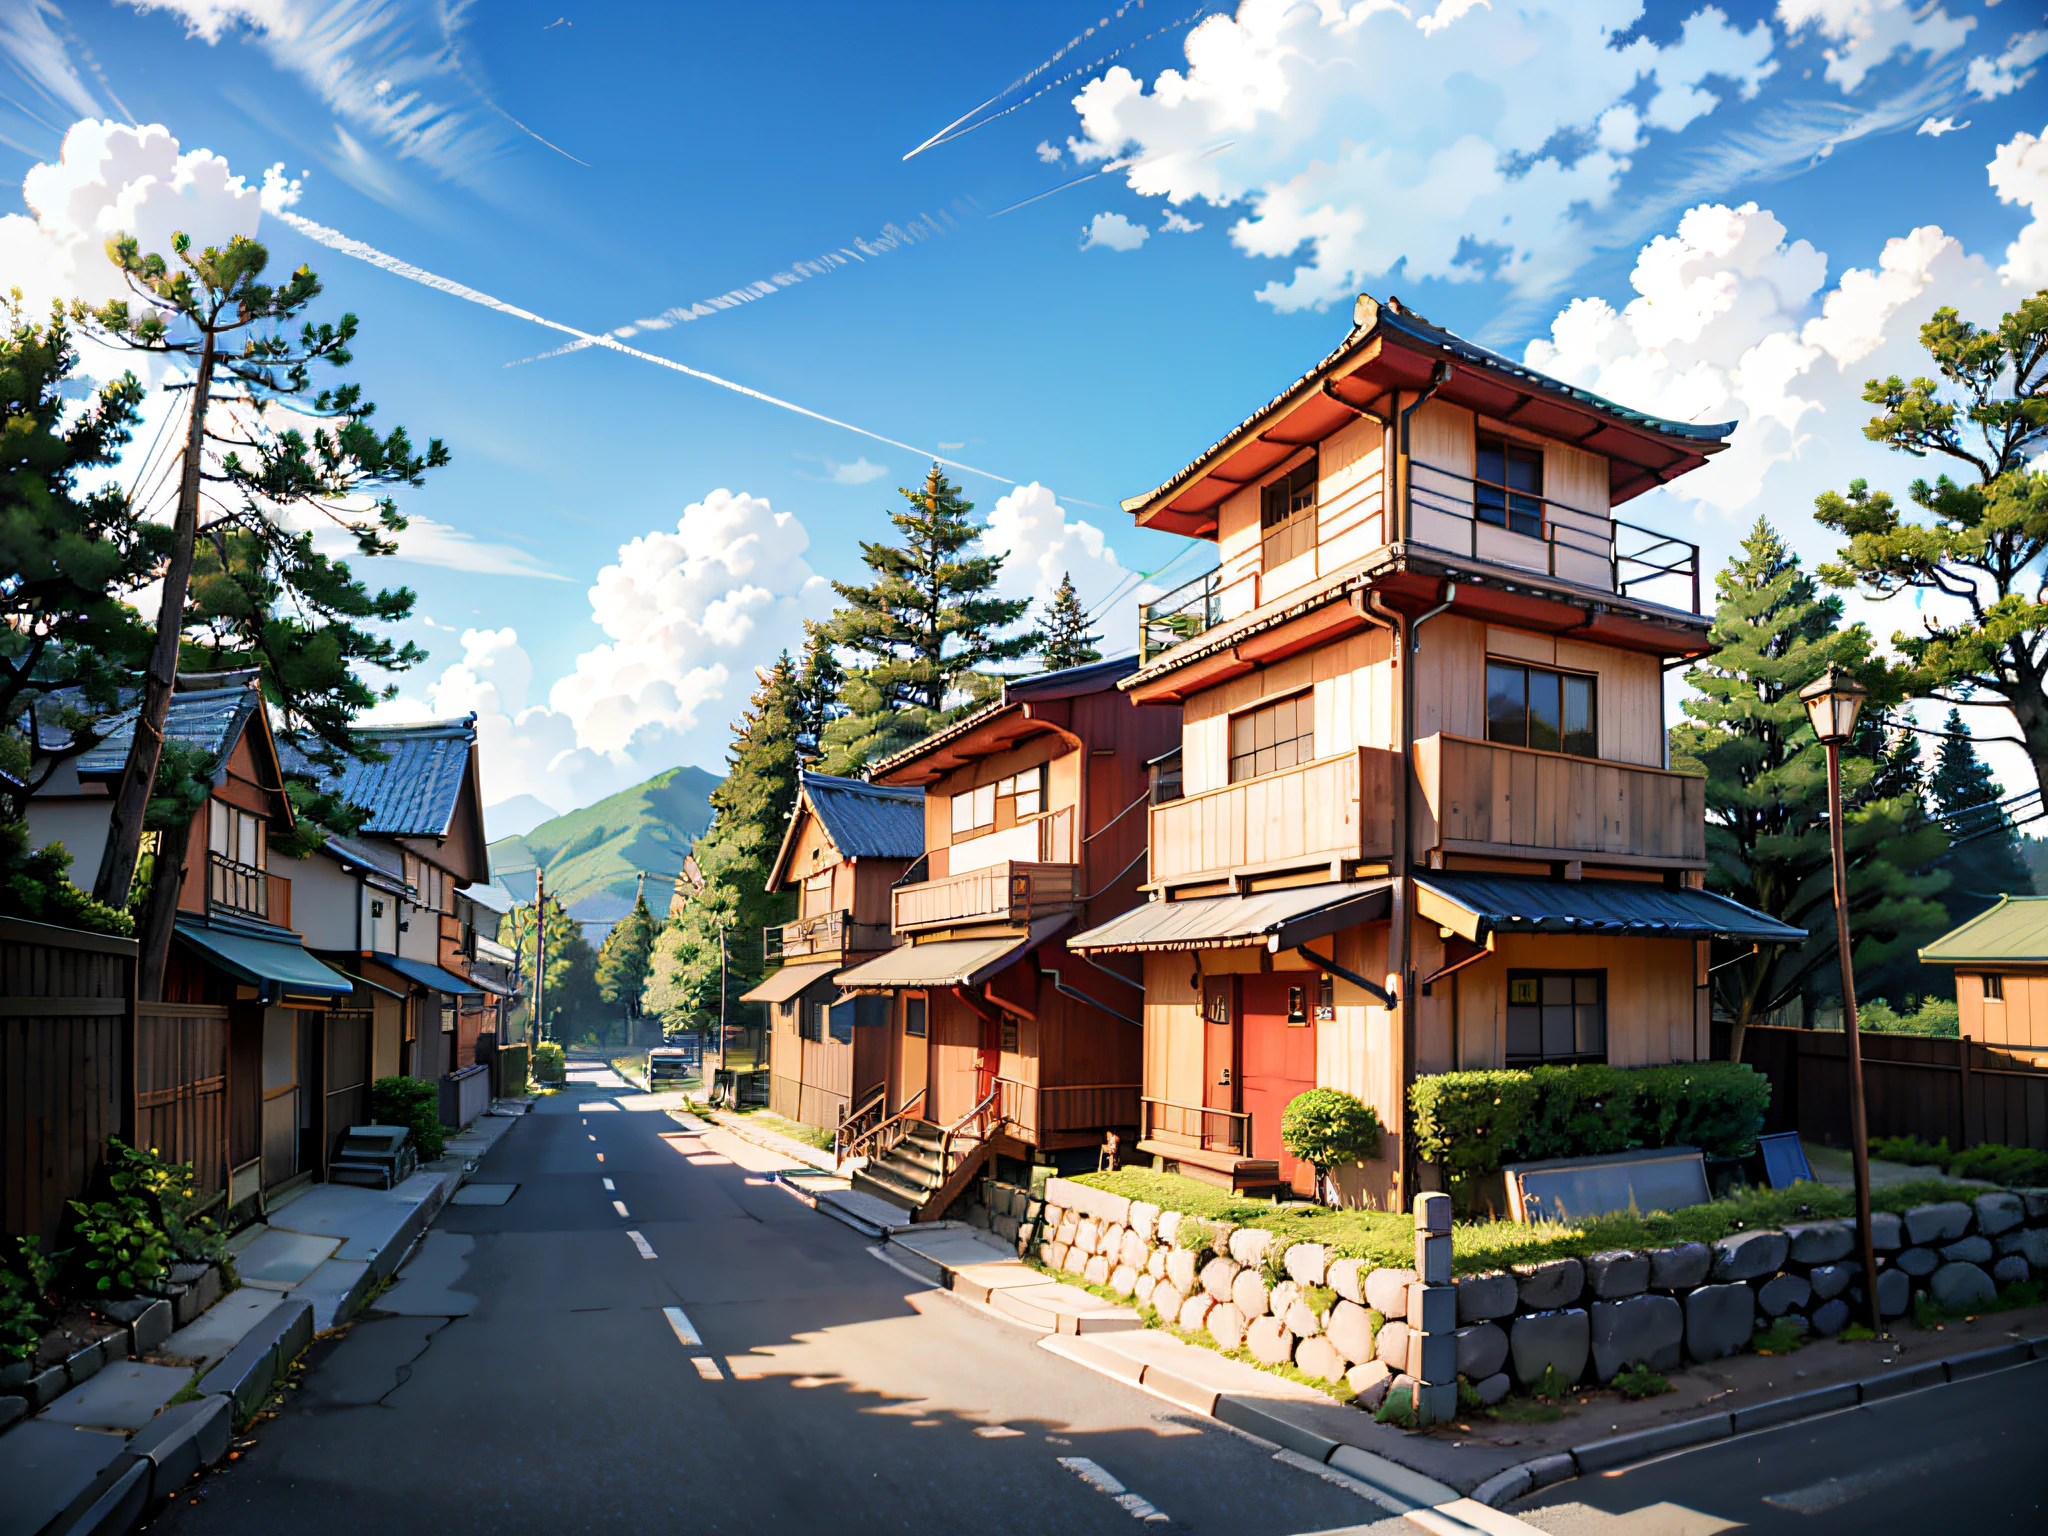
x=975, y=1125
x=870, y=1112
x=875, y=1142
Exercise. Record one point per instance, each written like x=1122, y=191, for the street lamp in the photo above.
x=1833, y=700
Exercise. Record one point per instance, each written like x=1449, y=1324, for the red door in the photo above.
x=1279, y=1062
x=1221, y=1069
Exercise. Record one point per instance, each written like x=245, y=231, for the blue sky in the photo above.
x=1492, y=166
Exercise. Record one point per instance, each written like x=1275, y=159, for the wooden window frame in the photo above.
x=923, y=1005
x=1501, y=503
x=1542, y=1058
x=1566, y=677
x=1301, y=745
x=1287, y=514
x=1994, y=987
x=810, y=1020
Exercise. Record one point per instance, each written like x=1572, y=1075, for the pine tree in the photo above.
x=922, y=628
x=622, y=961
x=1767, y=833
x=1985, y=861
x=820, y=682
x=570, y=997
x=1067, y=640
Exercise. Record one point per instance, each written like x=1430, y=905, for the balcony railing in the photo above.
x=1333, y=808
x=1196, y=1128
x=825, y=933
x=1181, y=614
x=1031, y=1110
x=1481, y=797
x=1006, y=892
x=234, y=887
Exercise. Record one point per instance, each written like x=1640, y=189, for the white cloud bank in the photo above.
x=1114, y=232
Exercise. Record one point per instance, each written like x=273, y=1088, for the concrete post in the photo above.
x=1433, y=1313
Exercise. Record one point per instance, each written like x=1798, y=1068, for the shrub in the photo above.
x=2010, y=1166
x=1639, y=1381
x=1938, y=1017
x=415, y=1105
x=550, y=1065
x=121, y=1242
x=1910, y=1149
x=24, y=1286
x=1326, y=1128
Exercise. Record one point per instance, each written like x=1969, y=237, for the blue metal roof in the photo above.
x=1628, y=908
x=432, y=977
x=867, y=821
x=266, y=957
x=414, y=791
x=211, y=719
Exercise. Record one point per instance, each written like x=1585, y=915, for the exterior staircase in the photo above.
x=912, y=1176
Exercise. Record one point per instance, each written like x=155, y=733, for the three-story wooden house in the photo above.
x=1426, y=821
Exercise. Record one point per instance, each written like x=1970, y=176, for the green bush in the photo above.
x=25, y=1282
x=415, y=1105
x=2020, y=1166
x=1936, y=1017
x=1474, y=1122
x=1910, y=1149
x=550, y=1065
x=1327, y=1128
x=122, y=1243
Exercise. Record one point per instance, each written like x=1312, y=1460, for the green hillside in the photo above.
x=594, y=857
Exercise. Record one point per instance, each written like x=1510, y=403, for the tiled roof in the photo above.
x=373, y=856
x=414, y=790
x=212, y=719
x=867, y=821
x=2016, y=929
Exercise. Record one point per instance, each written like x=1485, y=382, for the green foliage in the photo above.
x=1400, y=1409
x=122, y=1243
x=1319, y=1299
x=622, y=962
x=1935, y=1017
x=415, y=1105
x=1552, y=1386
x=1781, y=1337
x=1766, y=792
x=1474, y=1122
x=1985, y=862
x=603, y=847
x=36, y=886
x=550, y=1064
x=2021, y=1166
x=1192, y=1235
x=1067, y=640
x=1856, y=1333
x=1326, y=1127
x=1909, y=1149
x=25, y=1279
x=569, y=999
x=1638, y=1381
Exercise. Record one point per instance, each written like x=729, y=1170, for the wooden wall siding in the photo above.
x=1335, y=807
x=345, y=1087
x=1352, y=681
x=1482, y=797
x=1960, y=1090
x=181, y=1087
x=2019, y=1019
x=1008, y=892
x=1063, y=782
x=1656, y=1012
x=955, y=1054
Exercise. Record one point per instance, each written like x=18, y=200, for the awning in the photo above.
x=1273, y=920
x=432, y=977
x=948, y=962
x=374, y=986
x=1476, y=906
x=280, y=965
x=789, y=981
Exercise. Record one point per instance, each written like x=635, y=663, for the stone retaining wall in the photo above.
x=1341, y=1320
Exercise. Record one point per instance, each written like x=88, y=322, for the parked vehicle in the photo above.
x=670, y=1063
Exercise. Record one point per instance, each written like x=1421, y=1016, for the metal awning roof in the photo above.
x=1476, y=906
x=2014, y=932
x=280, y=962
x=949, y=962
x=1273, y=920
x=788, y=982
x=432, y=977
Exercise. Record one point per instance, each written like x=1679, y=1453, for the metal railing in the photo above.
x=857, y=1120
x=879, y=1139
x=824, y=933
x=1198, y=1128
x=1181, y=614
x=975, y=1125
x=237, y=887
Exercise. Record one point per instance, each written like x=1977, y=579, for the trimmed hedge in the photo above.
x=416, y=1105
x=1472, y=1123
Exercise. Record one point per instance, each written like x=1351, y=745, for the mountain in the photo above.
x=517, y=816
x=594, y=857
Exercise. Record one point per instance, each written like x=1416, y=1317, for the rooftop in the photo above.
x=866, y=821
x=211, y=719
x=2014, y=930
x=415, y=789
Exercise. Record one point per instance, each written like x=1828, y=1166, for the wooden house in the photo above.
x=1000, y=1042
x=2000, y=959
x=1425, y=819
x=848, y=842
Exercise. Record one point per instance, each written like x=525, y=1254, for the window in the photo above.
x=1272, y=737
x=1009, y=1034
x=811, y=1021
x=818, y=894
x=1297, y=1005
x=1216, y=999
x=914, y=1016
x=1556, y=1016
x=974, y=809
x=1287, y=515
x=1535, y=707
x=1165, y=779
x=1508, y=488
x=1994, y=989
x=1024, y=791
x=235, y=835
x=1326, y=1001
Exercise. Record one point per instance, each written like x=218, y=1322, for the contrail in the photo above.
x=1114, y=165
x=335, y=240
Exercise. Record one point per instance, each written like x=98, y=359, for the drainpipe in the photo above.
x=1415, y=628
x=1398, y=947
x=1405, y=508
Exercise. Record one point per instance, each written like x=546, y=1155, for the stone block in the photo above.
x=1087, y=1234
x=2036, y=1202
x=1124, y=1280
x=1386, y=1291
x=45, y=1387
x=1482, y=1349
x=80, y=1366
x=1821, y=1242
x=1226, y=1325
x=980, y=1216
x=1166, y=1299
x=1617, y=1275
x=1942, y=1222
x=1918, y=1262
x=1998, y=1211
x=2030, y=1243
x=1169, y=1225
x=181, y=1440
x=1641, y=1330
x=1550, y=1285
x=1219, y=1234
x=1269, y=1341
x=1318, y=1360
x=1894, y=1293
x=2009, y=1269
x=1493, y=1389
x=1432, y=1308
x=1960, y=1286
x=1831, y=1317
x=1194, y=1312
x=1969, y=1250
x=1100, y=1204
x=1391, y=1346
x=1433, y=1214
x=1347, y=1278
x=1096, y=1270
x=1307, y=1263
x=1681, y=1266
x=1142, y=1291
x=1155, y=1262
x=1349, y=1330
x=1482, y=1297
x=1433, y=1257
x=1538, y=1339
x=1144, y=1220
x=1830, y=1280
x=1302, y=1321
x=1055, y=1256
x=1250, y=1293
x=1218, y=1275
x=1248, y=1245
x=1368, y=1382
x=1134, y=1249
x=1783, y=1293
x=1064, y=1229
x=11, y=1409
x=1005, y=1227
x=1719, y=1319
x=1180, y=1270
x=1750, y=1255
x=204, y=1289
x=1281, y=1297
x=1887, y=1231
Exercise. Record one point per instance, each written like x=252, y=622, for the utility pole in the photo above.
x=540, y=949
x=722, y=989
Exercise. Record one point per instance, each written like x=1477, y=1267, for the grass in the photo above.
x=795, y=1130
x=1387, y=1238
x=1782, y=1337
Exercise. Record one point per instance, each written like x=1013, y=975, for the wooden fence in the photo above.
x=1958, y=1090
x=65, y=1001
x=181, y=1087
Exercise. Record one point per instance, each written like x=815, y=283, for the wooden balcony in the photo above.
x=1008, y=892
x=1479, y=797
x=1332, y=809
x=1031, y=1112
x=824, y=933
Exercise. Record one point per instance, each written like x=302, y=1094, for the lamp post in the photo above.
x=1832, y=702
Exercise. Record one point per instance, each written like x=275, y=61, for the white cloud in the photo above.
x=426, y=542
x=1040, y=544
x=1869, y=32
x=1935, y=127
x=1178, y=223
x=1048, y=152
x=1115, y=232
x=1991, y=78
x=2019, y=174
x=34, y=48
x=1474, y=142
x=859, y=472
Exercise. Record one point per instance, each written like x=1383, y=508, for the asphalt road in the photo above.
x=532, y=1379
x=1967, y=1457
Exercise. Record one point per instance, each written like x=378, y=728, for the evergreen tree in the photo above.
x=1767, y=832
x=1984, y=862
x=622, y=961
x=569, y=1001
x=820, y=681
x=920, y=629
x=1067, y=640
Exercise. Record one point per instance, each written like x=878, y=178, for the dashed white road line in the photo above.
x=707, y=1368
x=608, y=1184
x=620, y=1207
x=1095, y=1477
x=645, y=1247
x=685, y=1330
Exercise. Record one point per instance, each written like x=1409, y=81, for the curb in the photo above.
x=811, y=1157
x=1505, y=1487
x=246, y=1375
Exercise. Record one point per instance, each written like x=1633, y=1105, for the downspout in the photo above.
x=1082, y=997
x=1398, y=947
